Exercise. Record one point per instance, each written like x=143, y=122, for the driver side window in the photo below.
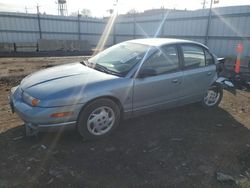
x=164, y=60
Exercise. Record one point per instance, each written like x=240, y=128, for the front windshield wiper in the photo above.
x=105, y=70
x=99, y=67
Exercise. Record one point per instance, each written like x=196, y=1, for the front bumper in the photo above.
x=39, y=118
x=32, y=129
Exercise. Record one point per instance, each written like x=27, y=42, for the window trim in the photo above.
x=162, y=49
x=182, y=54
x=206, y=50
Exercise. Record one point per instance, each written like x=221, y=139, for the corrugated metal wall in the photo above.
x=228, y=27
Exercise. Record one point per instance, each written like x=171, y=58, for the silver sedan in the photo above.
x=128, y=79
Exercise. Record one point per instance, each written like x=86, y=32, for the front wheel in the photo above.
x=212, y=97
x=98, y=119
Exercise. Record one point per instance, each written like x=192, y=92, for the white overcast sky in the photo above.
x=99, y=7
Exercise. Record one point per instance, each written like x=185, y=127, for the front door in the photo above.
x=162, y=89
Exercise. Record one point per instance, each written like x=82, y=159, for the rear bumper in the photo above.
x=39, y=118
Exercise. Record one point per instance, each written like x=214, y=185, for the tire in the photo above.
x=216, y=92
x=98, y=119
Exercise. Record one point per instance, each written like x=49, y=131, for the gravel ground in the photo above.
x=183, y=147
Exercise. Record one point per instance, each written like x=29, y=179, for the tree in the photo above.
x=132, y=11
x=86, y=13
x=83, y=12
x=74, y=14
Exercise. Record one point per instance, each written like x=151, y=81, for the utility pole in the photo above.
x=208, y=22
x=79, y=25
x=37, y=9
x=204, y=4
x=39, y=21
x=26, y=10
x=134, y=25
x=115, y=10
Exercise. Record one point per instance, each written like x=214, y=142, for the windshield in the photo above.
x=120, y=58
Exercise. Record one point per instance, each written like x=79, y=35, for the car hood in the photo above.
x=62, y=80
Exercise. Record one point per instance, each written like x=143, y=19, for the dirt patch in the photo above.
x=183, y=147
x=10, y=67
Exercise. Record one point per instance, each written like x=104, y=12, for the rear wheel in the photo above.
x=98, y=119
x=212, y=97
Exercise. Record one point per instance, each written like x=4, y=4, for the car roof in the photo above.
x=162, y=41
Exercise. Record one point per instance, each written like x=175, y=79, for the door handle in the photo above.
x=175, y=81
x=209, y=73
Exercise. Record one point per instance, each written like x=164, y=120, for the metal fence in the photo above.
x=228, y=27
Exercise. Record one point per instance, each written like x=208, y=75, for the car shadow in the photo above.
x=181, y=147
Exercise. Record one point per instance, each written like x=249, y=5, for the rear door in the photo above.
x=199, y=71
x=162, y=89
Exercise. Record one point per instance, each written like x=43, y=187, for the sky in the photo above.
x=99, y=8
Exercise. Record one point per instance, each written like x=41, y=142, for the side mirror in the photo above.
x=146, y=72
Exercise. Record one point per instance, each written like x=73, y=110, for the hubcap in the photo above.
x=101, y=120
x=211, y=97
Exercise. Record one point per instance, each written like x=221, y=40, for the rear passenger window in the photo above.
x=193, y=56
x=209, y=58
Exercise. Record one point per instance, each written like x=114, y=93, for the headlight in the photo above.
x=30, y=100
